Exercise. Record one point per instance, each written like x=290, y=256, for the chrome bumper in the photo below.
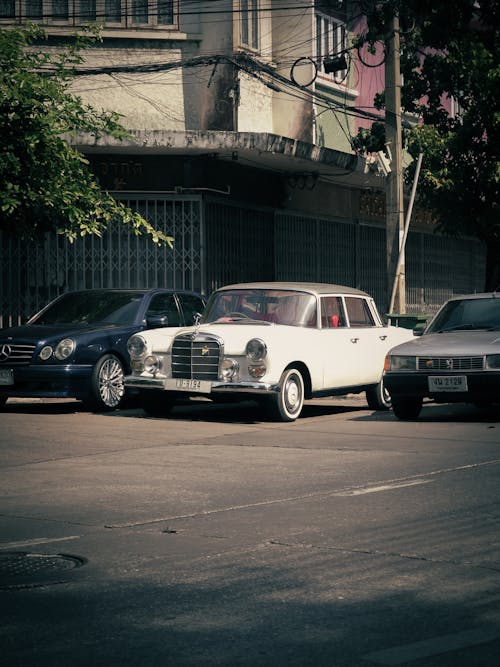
x=139, y=382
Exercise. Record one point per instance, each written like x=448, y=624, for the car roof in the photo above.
x=313, y=288
x=133, y=290
x=477, y=295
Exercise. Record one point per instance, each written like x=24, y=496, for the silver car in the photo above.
x=457, y=358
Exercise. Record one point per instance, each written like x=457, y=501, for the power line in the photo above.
x=241, y=61
x=146, y=10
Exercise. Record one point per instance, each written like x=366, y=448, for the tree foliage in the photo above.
x=451, y=51
x=45, y=183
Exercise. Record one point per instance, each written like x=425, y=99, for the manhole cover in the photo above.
x=20, y=569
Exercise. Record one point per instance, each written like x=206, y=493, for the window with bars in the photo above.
x=249, y=24
x=330, y=43
x=113, y=13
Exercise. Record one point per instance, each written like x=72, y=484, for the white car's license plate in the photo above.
x=6, y=376
x=447, y=383
x=182, y=384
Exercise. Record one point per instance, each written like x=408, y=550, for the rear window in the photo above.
x=359, y=312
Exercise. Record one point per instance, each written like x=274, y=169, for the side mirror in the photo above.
x=156, y=321
x=418, y=329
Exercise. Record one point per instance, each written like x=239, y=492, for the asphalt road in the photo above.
x=214, y=537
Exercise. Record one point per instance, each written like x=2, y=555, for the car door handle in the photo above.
x=382, y=337
x=354, y=340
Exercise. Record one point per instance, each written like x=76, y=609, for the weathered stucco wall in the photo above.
x=292, y=39
x=165, y=99
x=255, y=110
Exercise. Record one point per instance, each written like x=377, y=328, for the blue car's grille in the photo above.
x=15, y=354
x=195, y=359
x=450, y=364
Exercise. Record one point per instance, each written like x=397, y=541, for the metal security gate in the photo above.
x=438, y=267
x=348, y=253
x=315, y=250
x=217, y=243
x=33, y=274
x=239, y=244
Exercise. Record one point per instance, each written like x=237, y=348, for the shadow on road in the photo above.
x=442, y=412
x=276, y=613
x=56, y=406
x=249, y=412
x=244, y=412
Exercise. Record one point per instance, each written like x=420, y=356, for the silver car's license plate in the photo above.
x=6, y=376
x=183, y=384
x=447, y=383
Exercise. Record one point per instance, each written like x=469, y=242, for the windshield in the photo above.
x=276, y=306
x=93, y=307
x=467, y=314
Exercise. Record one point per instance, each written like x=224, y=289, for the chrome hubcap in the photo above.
x=292, y=395
x=111, y=386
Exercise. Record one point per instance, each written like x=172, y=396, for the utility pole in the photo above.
x=394, y=203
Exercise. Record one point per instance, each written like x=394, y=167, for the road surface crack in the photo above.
x=389, y=554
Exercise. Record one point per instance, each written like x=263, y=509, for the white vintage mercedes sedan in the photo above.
x=280, y=343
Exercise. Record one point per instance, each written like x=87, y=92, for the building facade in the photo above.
x=241, y=114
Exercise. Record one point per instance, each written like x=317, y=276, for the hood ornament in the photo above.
x=197, y=323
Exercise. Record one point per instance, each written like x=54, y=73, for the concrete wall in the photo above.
x=293, y=39
x=147, y=101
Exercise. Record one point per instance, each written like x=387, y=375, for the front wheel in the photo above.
x=287, y=404
x=378, y=398
x=406, y=407
x=106, y=385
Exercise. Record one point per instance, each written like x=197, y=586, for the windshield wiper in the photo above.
x=468, y=327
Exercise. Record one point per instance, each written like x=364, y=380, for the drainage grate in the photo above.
x=20, y=569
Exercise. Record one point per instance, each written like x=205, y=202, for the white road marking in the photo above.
x=384, y=487
x=437, y=645
x=419, y=478
x=39, y=540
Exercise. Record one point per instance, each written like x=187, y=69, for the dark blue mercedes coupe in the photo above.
x=77, y=345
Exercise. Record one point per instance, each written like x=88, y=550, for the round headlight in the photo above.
x=45, y=352
x=229, y=369
x=152, y=364
x=136, y=346
x=64, y=349
x=256, y=349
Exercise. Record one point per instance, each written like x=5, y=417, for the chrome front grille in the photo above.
x=450, y=364
x=195, y=357
x=15, y=354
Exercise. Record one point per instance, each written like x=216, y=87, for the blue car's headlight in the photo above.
x=64, y=349
x=46, y=352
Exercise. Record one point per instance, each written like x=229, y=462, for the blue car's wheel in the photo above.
x=106, y=387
